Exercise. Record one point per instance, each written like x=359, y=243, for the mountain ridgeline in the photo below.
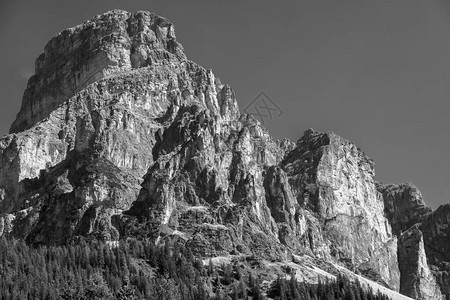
x=121, y=138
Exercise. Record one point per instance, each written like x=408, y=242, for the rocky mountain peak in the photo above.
x=108, y=44
x=120, y=136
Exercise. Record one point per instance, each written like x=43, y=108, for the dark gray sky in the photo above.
x=375, y=72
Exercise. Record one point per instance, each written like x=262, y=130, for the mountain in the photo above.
x=121, y=136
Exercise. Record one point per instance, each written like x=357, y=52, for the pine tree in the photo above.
x=293, y=286
x=242, y=288
x=210, y=267
x=256, y=290
x=96, y=288
x=228, y=274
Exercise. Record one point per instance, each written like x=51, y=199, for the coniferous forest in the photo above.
x=140, y=270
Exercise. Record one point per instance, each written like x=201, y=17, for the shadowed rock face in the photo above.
x=436, y=236
x=404, y=205
x=120, y=135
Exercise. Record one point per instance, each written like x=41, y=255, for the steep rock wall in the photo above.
x=115, y=119
x=334, y=179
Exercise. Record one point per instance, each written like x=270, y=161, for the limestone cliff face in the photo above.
x=334, y=179
x=121, y=135
x=130, y=75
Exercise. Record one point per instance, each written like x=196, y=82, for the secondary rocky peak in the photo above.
x=110, y=43
x=335, y=179
x=312, y=139
x=403, y=204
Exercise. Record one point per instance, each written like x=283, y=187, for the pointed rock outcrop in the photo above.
x=417, y=280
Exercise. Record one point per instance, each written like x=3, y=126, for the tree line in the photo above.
x=138, y=269
x=341, y=288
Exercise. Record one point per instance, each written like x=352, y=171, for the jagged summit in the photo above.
x=108, y=44
x=120, y=136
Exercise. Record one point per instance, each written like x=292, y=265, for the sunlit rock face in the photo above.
x=333, y=178
x=207, y=186
x=110, y=43
x=102, y=93
x=121, y=135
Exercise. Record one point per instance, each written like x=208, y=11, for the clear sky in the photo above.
x=375, y=72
